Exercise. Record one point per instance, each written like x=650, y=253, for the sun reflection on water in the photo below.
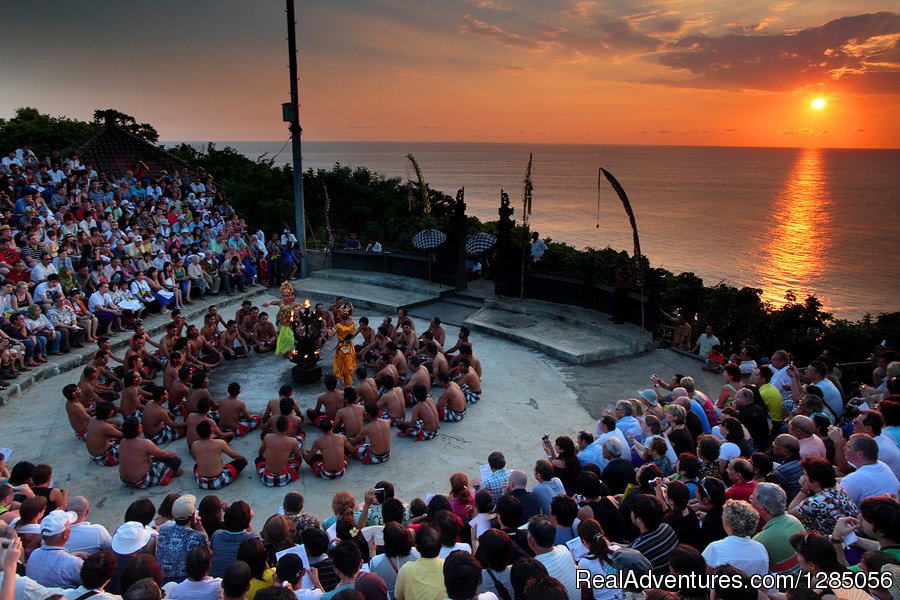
x=799, y=233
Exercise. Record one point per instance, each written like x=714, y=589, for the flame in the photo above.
x=306, y=303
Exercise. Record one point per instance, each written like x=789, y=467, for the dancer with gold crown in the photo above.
x=284, y=319
x=345, y=352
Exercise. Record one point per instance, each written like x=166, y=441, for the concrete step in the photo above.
x=572, y=334
x=640, y=339
x=559, y=339
x=363, y=295
x=383, y=280
x=450, y=313
x=454, y=298
x=155, y=326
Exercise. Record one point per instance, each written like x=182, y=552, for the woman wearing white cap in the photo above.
x=129, y=540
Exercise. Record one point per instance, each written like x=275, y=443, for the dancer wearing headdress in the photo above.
x=284, y=319
x=345, y=353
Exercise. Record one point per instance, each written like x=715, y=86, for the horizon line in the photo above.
x=225, y=141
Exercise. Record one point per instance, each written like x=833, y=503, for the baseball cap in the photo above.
x=628, y=559
x=138, y=238
x=57, y=522
x=184, y=506
x=130, y=537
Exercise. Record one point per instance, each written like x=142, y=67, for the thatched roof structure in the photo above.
x=114, y=151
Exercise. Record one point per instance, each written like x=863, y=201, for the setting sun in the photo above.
x=818, y=103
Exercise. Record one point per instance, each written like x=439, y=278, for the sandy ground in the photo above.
x=525, y=395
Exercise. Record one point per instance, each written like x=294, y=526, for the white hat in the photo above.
x=138, y=238
x=129, y=538
x=57, y=522
x=184, y=506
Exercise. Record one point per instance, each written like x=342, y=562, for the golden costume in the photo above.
x=345, y=352
x=285, y=320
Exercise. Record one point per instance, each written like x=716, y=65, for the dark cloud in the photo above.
x=860, y=53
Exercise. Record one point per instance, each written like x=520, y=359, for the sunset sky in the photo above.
x=686, y=72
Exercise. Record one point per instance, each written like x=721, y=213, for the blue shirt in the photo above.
x=172, y=547
x=494, y=484
x=593, y=454
x=545, y=491
x=697, y=409
x=53, y=566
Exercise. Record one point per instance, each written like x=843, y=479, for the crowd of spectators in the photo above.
x=781, y=471
x=86, y=253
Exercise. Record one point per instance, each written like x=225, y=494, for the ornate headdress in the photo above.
x=346, y=309
x=287, y=289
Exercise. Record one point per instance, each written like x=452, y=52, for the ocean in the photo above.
x=814, y=221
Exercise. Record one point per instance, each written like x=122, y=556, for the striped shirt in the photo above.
x=656, y=546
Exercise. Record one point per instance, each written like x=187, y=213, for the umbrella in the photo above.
x=429, y=239
x=480, y=242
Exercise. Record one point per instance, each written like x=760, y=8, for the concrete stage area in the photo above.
x=525, y=395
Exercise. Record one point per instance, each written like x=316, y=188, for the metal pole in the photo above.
x=299, y=213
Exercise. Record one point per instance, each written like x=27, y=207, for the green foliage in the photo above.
x=145, y=131
x=42, y=132
x=370, y=205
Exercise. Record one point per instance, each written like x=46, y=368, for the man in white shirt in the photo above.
x=871, y=423
x=557, y=559
x=51, y=565
x=45, y=291
x=871, y=477
x=815, y=374
x=42, y=269
x=705, y=343
x=86, y=537
x=781, y=379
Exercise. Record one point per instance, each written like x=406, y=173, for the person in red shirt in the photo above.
x=9, y=256
x=19, y=273
x=740, y=473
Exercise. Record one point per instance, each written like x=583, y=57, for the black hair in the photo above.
x=509, y=509
x=234, y=388
x=648, y=510
x=236, y=579
x=392, y=511
x=523, y=571
x=448, y=524
x=542, y=530
x=428, y=541
x=883, y=512
x=397, y=541
x=141, y=510
x=131, y=428
x=315, y=540
x=565, y=509
x=97, y=569
x=462, y=575
x=204, y=429
x=347, y=558
x=198, y=562
x=494, y=550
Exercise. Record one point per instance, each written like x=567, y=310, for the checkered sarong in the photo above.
x=159, y=474
x=228, y=474
x=471, y=397
x=269, y=479
x=301, y=438
x=364, y=454
x=451, y=416
x=320, y=471
x=81, y=435
x=165, y=435
x=245, y=426
x=110, y=456
x=419, y=434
